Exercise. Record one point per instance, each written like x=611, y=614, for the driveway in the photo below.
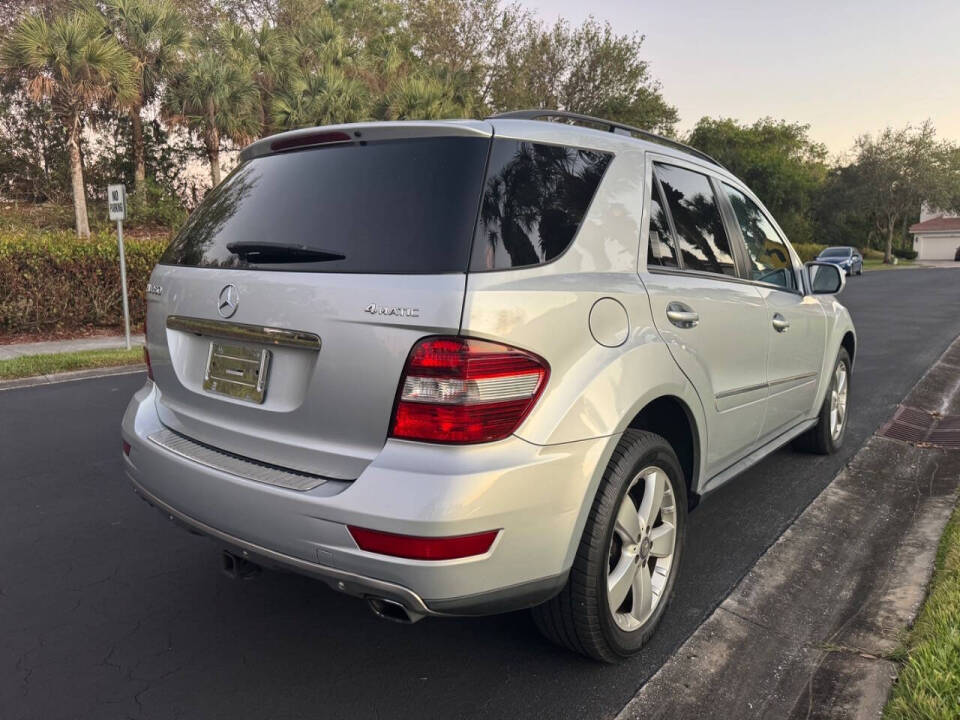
x=108, y=611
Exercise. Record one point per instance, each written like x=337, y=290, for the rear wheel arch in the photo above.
x=671, y=418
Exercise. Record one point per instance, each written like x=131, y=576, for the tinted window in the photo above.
x=696, y=217
x=661, y=250
x=836, y=252
x=534, y=200
x=769, y=257
x=403, y=206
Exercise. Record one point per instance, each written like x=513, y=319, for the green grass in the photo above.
x=929, y=684
x=879, y=265
x=30, y=365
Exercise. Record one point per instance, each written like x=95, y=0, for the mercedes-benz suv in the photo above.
x=466, y=367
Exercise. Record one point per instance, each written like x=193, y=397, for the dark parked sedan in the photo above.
x=848, y=258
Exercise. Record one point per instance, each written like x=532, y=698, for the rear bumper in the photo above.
x=536, y=496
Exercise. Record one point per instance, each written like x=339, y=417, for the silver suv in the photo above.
x=459, y=368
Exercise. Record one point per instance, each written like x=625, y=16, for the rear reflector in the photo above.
x=423, y=548
x=146, y=353
x=461, y=390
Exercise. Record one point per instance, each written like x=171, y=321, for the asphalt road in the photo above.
x=109, y=611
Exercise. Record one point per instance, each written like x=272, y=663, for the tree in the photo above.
x=269, y=52
x=214, y=96
x=469, y=39
x=323, y=98
x=153, y=32
x=587, y=69
x=424, y=96
x=73, y=63
x=894, y=173
x=776, y=159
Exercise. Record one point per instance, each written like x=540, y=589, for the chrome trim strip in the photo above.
x=341, y=579
x=766, y=385
x=233, y=464
x=792, y=378
x=661, y=270
x=250, y=333
x=740, y=391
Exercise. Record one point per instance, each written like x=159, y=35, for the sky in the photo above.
x=845, y=67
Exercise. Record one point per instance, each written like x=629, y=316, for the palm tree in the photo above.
x=424, y=97
x=154, y=33
x=323, y=98
x=215, y=96
x=268, y=52
x=73, y=63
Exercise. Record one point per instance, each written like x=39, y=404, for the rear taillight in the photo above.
x=461, y=390
x=146, y=353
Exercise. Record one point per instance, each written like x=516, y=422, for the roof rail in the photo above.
x=610, y=125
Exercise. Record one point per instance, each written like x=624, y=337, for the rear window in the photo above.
x=399, y=206
x=534, y=199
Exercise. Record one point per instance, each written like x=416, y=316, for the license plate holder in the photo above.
x=237, y=371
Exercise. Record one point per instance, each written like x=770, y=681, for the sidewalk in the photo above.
x=52, y=347
x=808, y=633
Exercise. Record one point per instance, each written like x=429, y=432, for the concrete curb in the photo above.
x=54, y=347
x=36, y=380
x=806, y=633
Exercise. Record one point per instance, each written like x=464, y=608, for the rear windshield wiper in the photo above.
x=267, y=252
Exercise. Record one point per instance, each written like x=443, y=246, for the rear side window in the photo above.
x=769, y=257
x=661, y=250
x=534, y=200
x=399, y=206
x=700, y=234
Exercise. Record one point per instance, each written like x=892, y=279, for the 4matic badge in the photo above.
x=375, y=309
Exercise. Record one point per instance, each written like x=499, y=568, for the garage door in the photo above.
x=938, y=248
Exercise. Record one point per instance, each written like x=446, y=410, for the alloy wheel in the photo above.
x=838, y=400
x=641, y=549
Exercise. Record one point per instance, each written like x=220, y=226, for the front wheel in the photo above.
x=626, y=564
x=827, y=435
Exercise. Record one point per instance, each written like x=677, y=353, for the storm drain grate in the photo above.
x=919, y=427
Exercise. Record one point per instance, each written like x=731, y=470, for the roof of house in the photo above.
x=937, y=224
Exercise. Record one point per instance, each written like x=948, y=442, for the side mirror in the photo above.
x=825, y=278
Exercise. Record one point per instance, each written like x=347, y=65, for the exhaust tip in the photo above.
x=393, y=611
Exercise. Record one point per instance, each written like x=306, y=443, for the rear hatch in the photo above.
x=281, y=316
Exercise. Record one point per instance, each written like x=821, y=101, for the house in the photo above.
x=937, y=235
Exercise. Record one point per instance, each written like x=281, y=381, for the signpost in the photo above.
x=117, y=205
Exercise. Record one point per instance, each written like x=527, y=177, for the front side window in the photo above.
x=769, y=257
x=702, y=240
x=534, y=199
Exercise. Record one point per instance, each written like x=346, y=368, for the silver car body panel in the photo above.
x=596, y=313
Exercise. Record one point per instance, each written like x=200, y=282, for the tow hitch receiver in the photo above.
x=236, y=567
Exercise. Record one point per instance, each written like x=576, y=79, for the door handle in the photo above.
x=682, y=316
x=780, y=323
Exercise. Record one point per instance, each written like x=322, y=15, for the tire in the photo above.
x=580, y=617
x=821, y=439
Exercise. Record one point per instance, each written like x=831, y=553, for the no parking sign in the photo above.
x=117, y=207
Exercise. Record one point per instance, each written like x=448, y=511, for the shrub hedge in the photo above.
x=54, y=281
x=808, y=251
x=905, y=254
